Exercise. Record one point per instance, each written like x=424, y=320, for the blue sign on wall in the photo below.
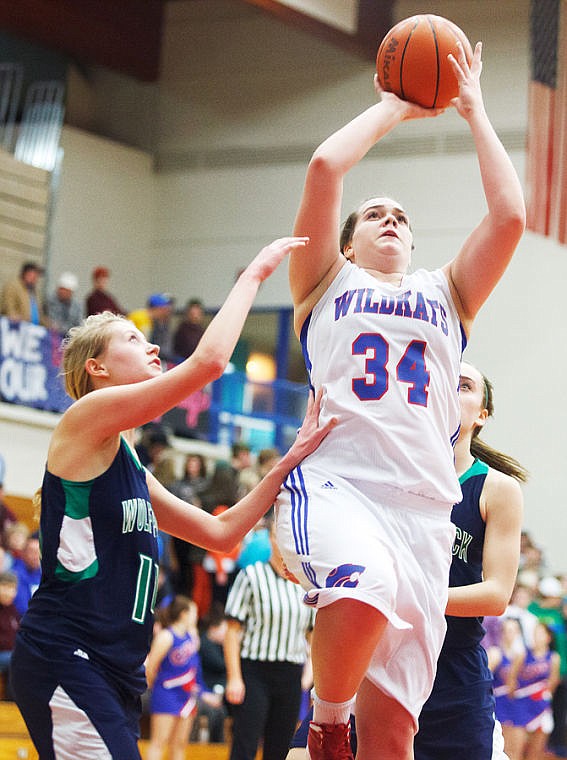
x=232, y=408
x=30, y=360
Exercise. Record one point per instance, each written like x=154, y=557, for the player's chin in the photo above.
x=155, y=369
x=393, y=248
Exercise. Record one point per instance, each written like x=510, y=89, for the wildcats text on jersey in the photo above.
x=138, y=514
x=412, y=305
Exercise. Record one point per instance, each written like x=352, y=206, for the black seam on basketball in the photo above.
x=403, y=95
x=435, y=40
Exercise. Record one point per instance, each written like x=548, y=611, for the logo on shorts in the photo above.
x=345, y=575
x=80, y=653
x=329, y=485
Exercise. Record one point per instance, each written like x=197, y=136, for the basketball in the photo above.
x=412, y=60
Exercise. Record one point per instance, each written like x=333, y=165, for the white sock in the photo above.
x=331, y=712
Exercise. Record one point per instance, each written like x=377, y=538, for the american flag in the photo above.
x=547, y=120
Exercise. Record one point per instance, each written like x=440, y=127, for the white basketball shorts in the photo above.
x=386, y=548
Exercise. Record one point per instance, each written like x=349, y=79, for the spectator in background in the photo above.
x=142, y=444
x=186, y=555
x=267, y=459
x=532, y=560
x=9, y=618
x=549, y=607
x=221, y=568
x=522, y=597
x=213, y=632
x=222, y=489
x=530, y=579
x=63, y=309
x=15, y=539
x=21, y=298
x=243, y=466
x=265, y=650
x=99, y=299
x=211, y=710
x=165, y=591
x=7, y=517
x=217, y=569
x=161, y=333
x=28, y=569
x=256, y=545
x=160, y=457
x=195, y=475
x=5, y=560
x=190, y=329
x=154, y=320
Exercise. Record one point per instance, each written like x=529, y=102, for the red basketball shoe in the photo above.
x=329, y=741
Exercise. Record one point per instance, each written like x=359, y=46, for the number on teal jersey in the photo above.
x=147, y=572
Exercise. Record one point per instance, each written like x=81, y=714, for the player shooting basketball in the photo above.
x=364, y=522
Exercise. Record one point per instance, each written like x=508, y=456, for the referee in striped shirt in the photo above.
x=265, y=650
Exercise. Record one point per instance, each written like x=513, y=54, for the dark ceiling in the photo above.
x=125, y=35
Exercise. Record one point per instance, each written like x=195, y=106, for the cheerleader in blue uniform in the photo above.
x=537, y=679
x=173, y=674
x=505, y=661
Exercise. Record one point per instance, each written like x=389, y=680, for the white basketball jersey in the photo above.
x=389, y=359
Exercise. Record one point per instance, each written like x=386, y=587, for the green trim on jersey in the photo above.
x=66, y=575
x=133, y=455
x=77, y=497
x=476, y=468
x=77, y=500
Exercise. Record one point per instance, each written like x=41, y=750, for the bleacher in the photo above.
x=24, y=206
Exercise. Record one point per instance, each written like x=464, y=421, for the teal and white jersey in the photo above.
x=99, y=569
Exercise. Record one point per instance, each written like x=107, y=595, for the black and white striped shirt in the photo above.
x=273, y=616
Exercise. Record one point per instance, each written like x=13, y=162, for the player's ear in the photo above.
x=481, y=419
x=348, y=252
x=95, y=368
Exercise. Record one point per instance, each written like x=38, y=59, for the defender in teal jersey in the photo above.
x=78, y=665
x=458, y=718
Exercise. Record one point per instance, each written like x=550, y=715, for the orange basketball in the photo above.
x=412, y=60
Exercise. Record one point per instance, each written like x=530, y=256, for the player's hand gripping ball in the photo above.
x=412, y=60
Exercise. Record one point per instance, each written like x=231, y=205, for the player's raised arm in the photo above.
x=486, y=253
x=130, y=400
x=319, y=213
